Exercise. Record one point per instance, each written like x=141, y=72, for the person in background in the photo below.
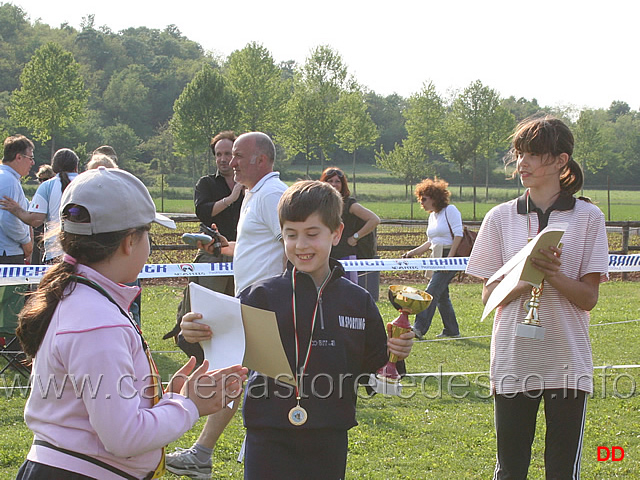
x=75, y=326
x=44, y=173
x=101, y=160
x=16, y=244
x=358, y=221
x=257, y=254
x=45, y=204
x=444, y=233
x=560, y=366
x=217, y=200
x=107, y=150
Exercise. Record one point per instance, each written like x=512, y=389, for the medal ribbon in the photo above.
x=300, y=371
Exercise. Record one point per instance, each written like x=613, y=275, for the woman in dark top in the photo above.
x=358, y=220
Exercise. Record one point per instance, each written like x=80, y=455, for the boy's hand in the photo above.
x=400, y=346
x=194, y=332
x=212, y=390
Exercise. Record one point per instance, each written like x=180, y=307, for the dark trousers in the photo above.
x=515, y=419
x=313, y=454
x=38, y=471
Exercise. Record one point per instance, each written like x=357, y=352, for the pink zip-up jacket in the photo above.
x=88, y=388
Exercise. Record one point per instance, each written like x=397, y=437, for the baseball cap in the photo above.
x=115, y=199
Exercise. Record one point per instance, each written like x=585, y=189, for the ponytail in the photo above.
x=35, y=317
x=64, y=179
x=572, y=178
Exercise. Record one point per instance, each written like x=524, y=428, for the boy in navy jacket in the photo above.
x=333, y=335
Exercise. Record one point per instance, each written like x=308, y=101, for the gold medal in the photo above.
x=297, y=416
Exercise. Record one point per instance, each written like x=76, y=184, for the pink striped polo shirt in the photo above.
x=563, y=359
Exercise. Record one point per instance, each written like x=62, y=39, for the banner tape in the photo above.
x=20, y=274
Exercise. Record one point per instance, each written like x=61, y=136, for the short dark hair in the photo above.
x=107, y=150
x=14, y=145
x=436, y=189
x=307, y=197
x=226, y=135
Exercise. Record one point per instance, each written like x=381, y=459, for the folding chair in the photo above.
x=11, y=302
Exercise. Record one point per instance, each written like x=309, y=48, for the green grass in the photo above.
x=442, y=432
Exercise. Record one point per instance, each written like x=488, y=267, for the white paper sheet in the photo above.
x=223, y=315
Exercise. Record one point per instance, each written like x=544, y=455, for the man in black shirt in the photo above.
x=218, y=199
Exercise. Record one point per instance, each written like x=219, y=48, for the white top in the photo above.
x=259, y=252
x=438, y=231
x=563, y=358
x=47, y=200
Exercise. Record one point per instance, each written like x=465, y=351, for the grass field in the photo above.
x=443, y=431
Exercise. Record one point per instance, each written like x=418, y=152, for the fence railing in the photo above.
x=414, y=230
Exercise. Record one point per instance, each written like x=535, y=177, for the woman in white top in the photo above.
x=444, y=234
x=559, y=366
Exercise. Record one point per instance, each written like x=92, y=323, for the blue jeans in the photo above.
x=438, y=288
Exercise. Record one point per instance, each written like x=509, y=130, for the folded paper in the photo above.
x=520, y=268
x=241, y=334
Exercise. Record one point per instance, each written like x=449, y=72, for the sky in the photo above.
x=579, y=53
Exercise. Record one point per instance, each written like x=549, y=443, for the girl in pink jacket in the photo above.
x=97, y=408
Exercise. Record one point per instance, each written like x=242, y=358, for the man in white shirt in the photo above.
x=258, y=253
x=15, y=237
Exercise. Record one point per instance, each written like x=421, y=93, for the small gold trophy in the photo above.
x=408, y=301
x=531, y=326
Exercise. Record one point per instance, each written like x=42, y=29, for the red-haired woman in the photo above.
x=444, y=233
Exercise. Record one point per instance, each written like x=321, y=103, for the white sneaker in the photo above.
x=183, y=461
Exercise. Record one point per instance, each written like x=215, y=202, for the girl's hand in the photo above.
x=400, y=346
x=550, y=265
x=179, y=378
x=194, y=332
x=212, y=390
x=407, y=254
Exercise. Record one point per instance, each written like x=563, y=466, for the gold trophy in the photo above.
x=531, y=326
x=408, y=301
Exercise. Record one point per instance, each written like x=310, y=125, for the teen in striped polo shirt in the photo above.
x=559, y=367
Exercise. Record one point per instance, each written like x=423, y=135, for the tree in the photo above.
x=356, y=129
x=481, y=124
x=51, y=96
x=424, y=116
x=617, y=109
x=126, y=99
x=405, y=161
x=205, y=107
x=299, y=133
x=589, y=145
x=325, y=76
x=386, y=113
x=257, y=84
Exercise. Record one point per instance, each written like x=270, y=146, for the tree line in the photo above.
x=158, y=98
